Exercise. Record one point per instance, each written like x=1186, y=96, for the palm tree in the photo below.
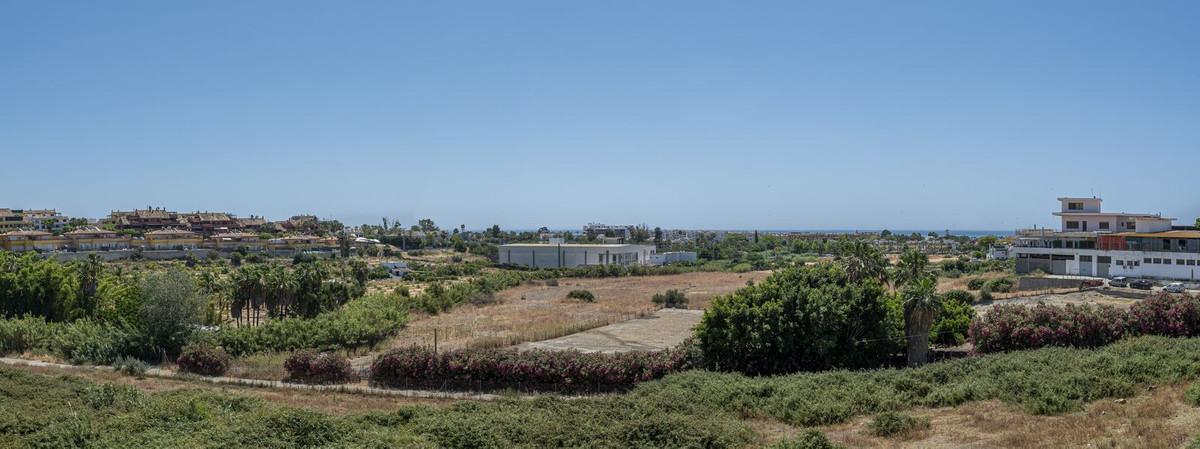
x=913, y=265
x=863, y=261
x=921, y=305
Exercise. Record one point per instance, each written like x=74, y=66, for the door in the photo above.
x=1102, y=265
x=1085, y=265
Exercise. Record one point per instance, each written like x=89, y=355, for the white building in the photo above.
x=564, y=255
x=673, y=257
x=1114, y=244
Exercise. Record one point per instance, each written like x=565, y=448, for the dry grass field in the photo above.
x=1158, y=419
x=538, y=311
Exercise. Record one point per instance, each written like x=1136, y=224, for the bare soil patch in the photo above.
x=537, y=311
x=664, y=329
x=1072, y=297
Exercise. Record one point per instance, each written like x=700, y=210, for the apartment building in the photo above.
x=1096, y=243
x=30, y=240
x=48, y=220
x=172, y=239
x=566, y=255
x=92, y=238
x=143, y=220
x=208, y=223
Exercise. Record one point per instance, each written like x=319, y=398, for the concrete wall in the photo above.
x=1123, y=263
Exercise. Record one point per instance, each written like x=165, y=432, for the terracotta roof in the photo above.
x=171, y=232
x=27, y=233
x=89, y=230
x=234, y=235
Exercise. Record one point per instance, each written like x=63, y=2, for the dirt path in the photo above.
x=1119, y=299
x=664, y=329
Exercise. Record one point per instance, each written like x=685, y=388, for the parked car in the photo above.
x=1091, y=283
x=1175, y=287
x=1141, y=284
x=1119, y=281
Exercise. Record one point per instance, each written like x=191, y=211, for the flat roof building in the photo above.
x=1104, y=244
x=565, y=255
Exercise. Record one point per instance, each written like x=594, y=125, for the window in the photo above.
x=1157, y=260
x=1074, y=206
x=1104, y=225
x=1072, y=225
x=1121, y=263
x=1191, y=262
x=1179, y=262
x=1146, y=260
x=1166, y=244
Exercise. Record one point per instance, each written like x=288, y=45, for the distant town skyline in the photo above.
x=773, y=115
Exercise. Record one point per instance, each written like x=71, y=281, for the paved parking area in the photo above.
x=664, y=329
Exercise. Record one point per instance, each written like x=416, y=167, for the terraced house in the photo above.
x=1105, y=244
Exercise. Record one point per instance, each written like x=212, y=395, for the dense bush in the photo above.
x=1000, y=285
x=953, y=322
x=672, y=299
x=203, y=359
x=976, y=283
x=80, y=341
x=1044, y=381
x=810, y=439
x=361, y=323
x=892, y=423
x=582, y=295
x=801, y=318
x=312, y=367
x=487, y=369
x=1013, y=327
x=130, y=366
x=1192, y=394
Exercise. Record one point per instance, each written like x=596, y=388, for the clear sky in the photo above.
x=769, y=115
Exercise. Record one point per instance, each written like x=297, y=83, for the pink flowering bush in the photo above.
x=534, y=370
x=1015, y=327
x=312, y=367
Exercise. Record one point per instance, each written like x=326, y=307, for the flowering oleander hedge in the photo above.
x=1014, y=327
x=534, y=370
x=312, y=367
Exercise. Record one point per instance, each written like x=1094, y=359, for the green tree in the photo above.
x=921, y=305
x=863, y=261
x=800, y=318
x=171, y=309
x=913, y=264
x=89, y=271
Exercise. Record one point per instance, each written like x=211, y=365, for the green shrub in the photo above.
x=130, y=366
x=582, y=295
x=1000, y=285
x=976, y=283
x=672, y=299
x=81, y=341
x=1193, y=394
x=810, y=439
x=203, y=359
x=890, y=423
x=360, y=323
x=312, y=367
x=985, y=295
x=953, y=322
x=798, y=319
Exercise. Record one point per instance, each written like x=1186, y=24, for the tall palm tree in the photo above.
x=913, y=265
x=921, y=305
x=863, y=261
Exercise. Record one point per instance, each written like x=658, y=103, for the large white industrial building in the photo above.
x=566, y=255
x=1104, y=244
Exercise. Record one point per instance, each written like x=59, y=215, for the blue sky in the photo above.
x=769, y=115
